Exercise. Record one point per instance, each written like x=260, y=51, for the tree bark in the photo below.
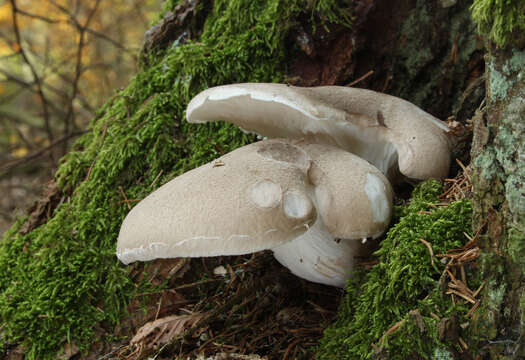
x=498, y=154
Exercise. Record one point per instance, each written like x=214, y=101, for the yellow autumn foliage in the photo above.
x=79, y=52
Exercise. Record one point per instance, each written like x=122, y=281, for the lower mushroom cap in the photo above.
x=292, y=197
x=256, y=199
x=354, y=202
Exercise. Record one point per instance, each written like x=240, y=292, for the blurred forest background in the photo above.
x=60, y=60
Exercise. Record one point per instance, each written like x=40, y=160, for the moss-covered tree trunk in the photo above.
x=60, y=279
x=499, y=183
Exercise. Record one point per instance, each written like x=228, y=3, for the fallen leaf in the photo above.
x=162, y=331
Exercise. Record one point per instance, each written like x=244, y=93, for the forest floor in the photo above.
x=233, y=307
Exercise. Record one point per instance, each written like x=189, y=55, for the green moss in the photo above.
x=498, y=20
x=522, y=306
x=516, y=246
x=167, y=5
x=63, y=278
x=404, y=280
x=336, y=12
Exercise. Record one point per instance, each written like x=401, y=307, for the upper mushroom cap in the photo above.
x=251, y=199
x=387, y=131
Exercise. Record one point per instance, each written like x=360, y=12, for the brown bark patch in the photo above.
x=43, y=209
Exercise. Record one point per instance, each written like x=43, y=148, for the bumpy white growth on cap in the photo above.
x=389, y=132
x=380, y=196
x=353, y=198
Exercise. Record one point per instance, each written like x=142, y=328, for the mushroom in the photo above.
x=389, y=132
x=309, y=203
x=354, y=203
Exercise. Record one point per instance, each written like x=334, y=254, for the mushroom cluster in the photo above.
x=313, y=193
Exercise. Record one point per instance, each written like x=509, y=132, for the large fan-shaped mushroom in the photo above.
x=273, y=194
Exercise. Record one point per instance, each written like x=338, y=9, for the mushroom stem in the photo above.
x=319, y=257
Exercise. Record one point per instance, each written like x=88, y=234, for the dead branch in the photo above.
x=38, y=17
x=85, y=28
x=69, y=119
x=36, y=78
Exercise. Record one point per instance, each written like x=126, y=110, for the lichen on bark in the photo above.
x=498, y=154
x=435, y=56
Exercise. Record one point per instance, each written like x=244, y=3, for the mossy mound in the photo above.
x=61, y=279
x=393, y=309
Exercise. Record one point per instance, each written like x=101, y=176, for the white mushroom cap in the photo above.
x=310, y=203
x=257, y=199
x=387, y=131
